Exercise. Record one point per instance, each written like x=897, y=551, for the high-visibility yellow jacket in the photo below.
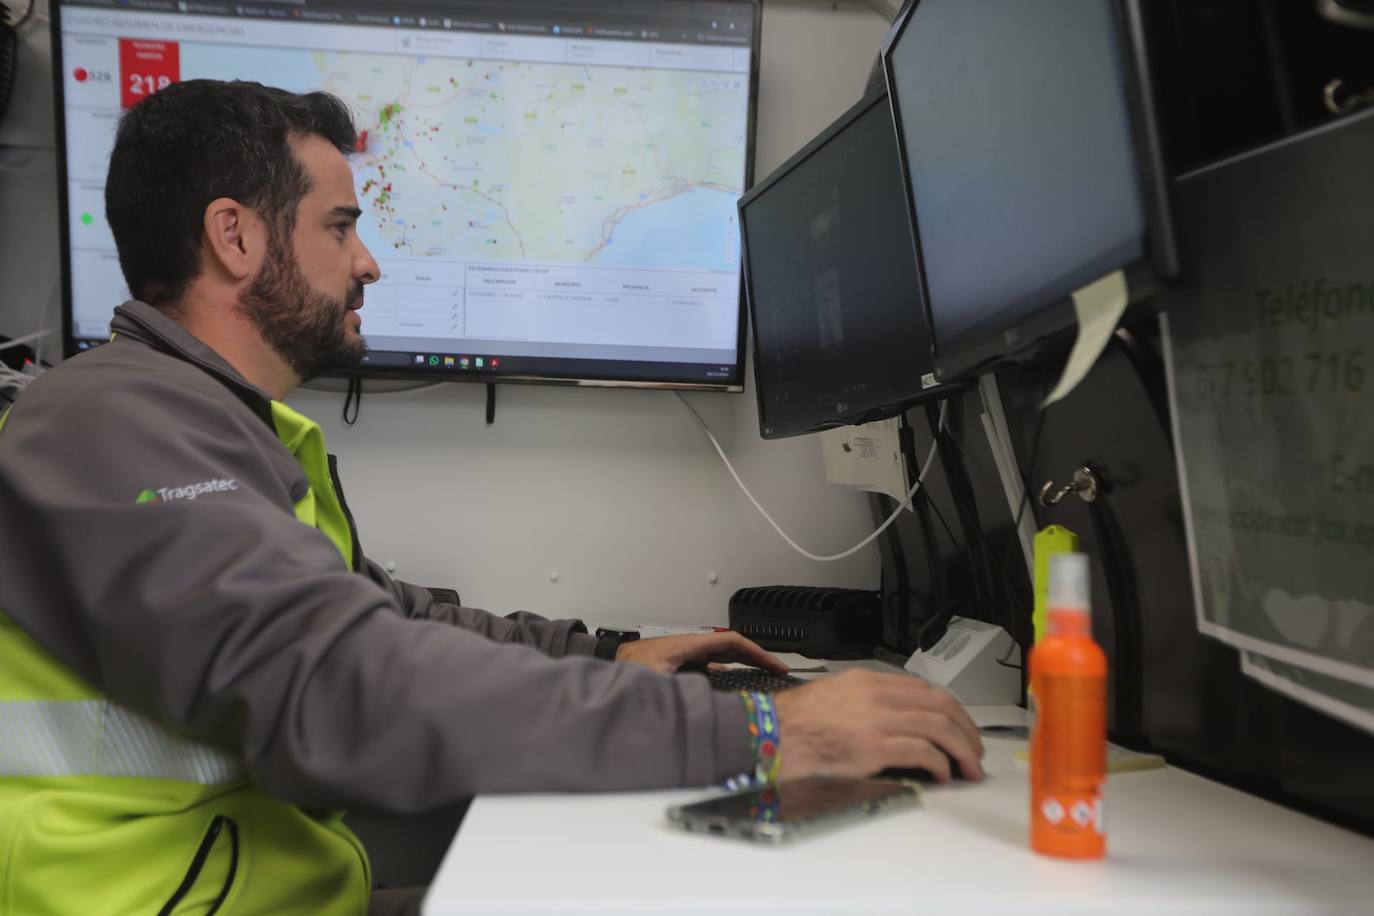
x=85, y=782
x=191, y=679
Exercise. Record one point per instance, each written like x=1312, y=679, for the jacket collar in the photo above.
x=148, y=325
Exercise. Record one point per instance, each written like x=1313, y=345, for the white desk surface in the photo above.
x=1177, y=843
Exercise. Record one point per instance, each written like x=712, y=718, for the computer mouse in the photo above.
x=920, y=774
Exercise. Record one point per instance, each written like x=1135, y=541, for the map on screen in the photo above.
x=560, y=195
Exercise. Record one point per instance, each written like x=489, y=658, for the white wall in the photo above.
x=615, y=491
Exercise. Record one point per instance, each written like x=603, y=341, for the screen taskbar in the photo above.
x=488, y=367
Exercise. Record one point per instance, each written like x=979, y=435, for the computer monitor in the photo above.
x=834, y=300
x=549, y=188
x=1031, y=163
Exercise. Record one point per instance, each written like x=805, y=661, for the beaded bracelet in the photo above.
x=763, y=730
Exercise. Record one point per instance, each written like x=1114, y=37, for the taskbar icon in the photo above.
x=447, y=361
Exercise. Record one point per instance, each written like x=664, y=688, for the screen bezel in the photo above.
x=1045, y=330
x=884, y=410
x=589, y=373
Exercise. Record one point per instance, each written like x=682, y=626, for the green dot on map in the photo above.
x=87, y=219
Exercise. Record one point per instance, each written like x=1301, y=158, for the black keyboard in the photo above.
x=754, y=679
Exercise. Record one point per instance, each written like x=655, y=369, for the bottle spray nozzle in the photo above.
x=1068, y=588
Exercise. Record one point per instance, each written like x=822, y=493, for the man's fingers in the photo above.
x=734, y=647
x=901, y=694
x=908, y=752
x=861, y=721
x=760, y=656
x=936, y=728
x=701, y=649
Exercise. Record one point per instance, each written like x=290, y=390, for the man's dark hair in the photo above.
x=194, y=142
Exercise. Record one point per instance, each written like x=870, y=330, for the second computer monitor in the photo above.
x=830, y=268
x=1031, y=162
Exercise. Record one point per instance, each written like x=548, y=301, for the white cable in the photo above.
x=53, y=298
x=32, y=14
x=885, y=8
x=12, y=380
x=11, y=383
x=20, y=341
x=920, y=478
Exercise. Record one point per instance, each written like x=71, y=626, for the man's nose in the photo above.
x=367, y=270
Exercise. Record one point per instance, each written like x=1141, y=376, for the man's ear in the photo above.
x=233, y=242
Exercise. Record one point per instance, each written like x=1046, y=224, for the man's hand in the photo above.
x=859, y=722
x=667, y=654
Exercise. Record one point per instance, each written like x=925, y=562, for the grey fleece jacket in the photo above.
x=228, y=620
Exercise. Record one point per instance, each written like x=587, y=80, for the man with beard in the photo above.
x=198, y=666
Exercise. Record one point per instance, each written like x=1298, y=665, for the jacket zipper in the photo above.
x=343, y=504
x=207, y=843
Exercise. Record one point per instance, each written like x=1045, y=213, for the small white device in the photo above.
x=977, y=662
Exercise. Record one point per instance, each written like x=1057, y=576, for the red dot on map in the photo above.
x=80, y=74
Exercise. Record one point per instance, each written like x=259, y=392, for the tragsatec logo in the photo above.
x=190, y=491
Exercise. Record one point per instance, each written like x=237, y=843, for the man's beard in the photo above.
x=304, y=326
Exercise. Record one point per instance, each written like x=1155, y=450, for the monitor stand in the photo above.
x=1004, y=456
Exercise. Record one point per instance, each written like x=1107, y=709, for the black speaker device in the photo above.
x=839, y=623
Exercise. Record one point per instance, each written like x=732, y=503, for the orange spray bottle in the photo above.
x=1069, y=737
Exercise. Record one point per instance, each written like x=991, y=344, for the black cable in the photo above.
x=950, y=605
x=935, y=507
x=996, y=599
x=944, y=524
x=9, y=56
x=946, y=605
x=1149, y=370
x=24, y=18
x=1030, y=469
x=353, y=398
x=1016, y=615
x=980, y=575
x=1114, y=553
x=939, y=585
x=965, y=507
x=941, y=607
x=896, y=601
x=938, y=597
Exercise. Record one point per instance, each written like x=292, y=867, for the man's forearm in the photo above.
x=555, y=638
